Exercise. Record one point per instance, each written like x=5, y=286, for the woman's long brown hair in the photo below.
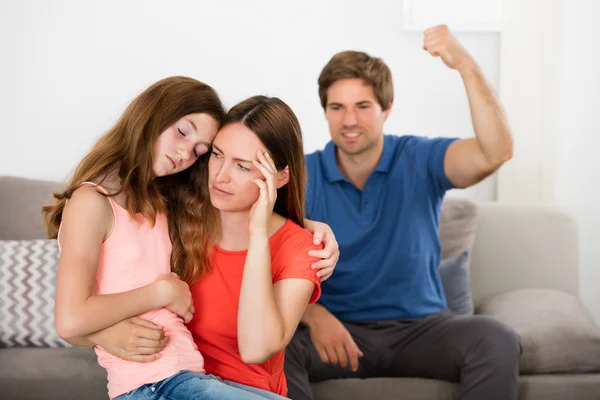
x=127, y=148
x=197, y=222
x=277, y=127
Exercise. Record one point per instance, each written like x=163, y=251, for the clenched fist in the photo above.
x=440, y=42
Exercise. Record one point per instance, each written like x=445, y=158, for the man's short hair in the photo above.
x=357, y=64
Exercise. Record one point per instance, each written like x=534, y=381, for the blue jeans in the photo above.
x=186, y=385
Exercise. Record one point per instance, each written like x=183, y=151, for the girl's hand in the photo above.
x=263, y=208
x=330, y=254
x=177, y=295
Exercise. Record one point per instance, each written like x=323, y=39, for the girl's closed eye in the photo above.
x=215, y=154
x=243, y=168
x=181, y=132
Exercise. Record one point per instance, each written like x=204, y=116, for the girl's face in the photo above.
x=230, y=168
x=180, y=145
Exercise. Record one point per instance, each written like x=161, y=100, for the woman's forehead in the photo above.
x=238, y=141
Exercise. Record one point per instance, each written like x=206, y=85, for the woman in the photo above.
x=260, y=272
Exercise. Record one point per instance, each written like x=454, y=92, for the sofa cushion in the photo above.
x=458, y=222
x=27, y=287
x=557, y=332
x=454, y=272
x=386, y=389
x=531, y=387
x=51, y=374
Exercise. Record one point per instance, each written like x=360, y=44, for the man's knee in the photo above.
x=497, y=342
x=296, y=350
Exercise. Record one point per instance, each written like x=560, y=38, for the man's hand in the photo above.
x=440, y=42
x=331, y=339
x=133, y=339
x=330, y=254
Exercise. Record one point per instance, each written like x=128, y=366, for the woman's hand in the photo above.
x=330, y=254
x=133, y=339
x=263, y=208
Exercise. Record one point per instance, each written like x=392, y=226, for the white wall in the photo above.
x=69, y=68
x=550, y=82
x=577, y=186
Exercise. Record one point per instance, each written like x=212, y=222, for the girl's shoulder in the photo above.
x=87, y=210
x=91, y=195
x=89, y=199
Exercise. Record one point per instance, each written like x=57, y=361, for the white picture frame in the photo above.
x=459, y=15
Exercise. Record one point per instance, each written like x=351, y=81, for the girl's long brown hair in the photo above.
x=193, y=221
x=127, y=148
x=198, y=222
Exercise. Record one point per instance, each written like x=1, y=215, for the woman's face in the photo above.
x=180, y=145
x=230, y=168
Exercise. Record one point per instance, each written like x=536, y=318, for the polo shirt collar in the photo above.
x=385, y=162
x=332, y=170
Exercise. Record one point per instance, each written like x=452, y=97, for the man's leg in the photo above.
x=479, y=352
x=303, y=364
x=265, y=394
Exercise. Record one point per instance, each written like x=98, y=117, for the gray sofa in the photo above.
x=512, y=247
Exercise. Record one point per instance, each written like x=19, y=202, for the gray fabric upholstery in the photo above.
x=523, y=246
x=557, y=333
x=53, y=374
x=531, y=387
x=454, y=273
x=386, y=389
x=458, y=223
x=21, y=202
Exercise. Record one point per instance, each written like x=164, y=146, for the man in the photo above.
x=383, y=312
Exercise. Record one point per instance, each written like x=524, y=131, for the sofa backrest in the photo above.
x=512, y=246
x=21, y=202
x=523, y=246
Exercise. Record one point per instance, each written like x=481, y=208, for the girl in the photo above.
x=113, y=232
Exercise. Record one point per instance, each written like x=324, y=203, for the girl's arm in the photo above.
x=80, y=341
x=86, y=223
x=268, y=313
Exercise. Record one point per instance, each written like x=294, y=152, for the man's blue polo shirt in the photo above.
x=388, y=232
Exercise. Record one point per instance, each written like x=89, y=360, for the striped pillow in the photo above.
x=27, y=287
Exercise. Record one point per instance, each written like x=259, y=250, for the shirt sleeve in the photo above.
x=433, y=153
x=296, y=263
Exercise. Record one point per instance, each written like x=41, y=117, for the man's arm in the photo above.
x=331, y=339
x=469, y=161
